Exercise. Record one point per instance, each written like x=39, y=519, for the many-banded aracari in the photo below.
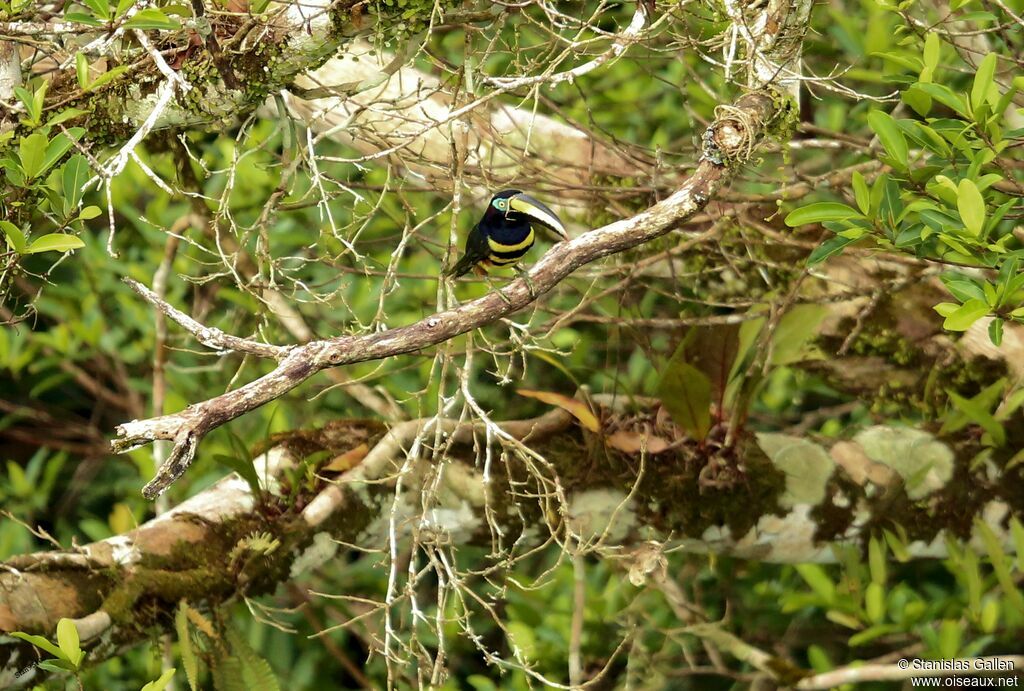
x=505, y=232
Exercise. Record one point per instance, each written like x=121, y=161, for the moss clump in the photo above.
x=787, y=118
x=399, y=20
x=734, y=494
x=834, y=516
x=337, y=436
x=883, y=341
x=691, y=489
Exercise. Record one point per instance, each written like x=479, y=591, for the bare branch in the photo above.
x=629, y=35
x=208, y=335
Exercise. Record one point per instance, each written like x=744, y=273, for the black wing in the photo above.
x=476, y=251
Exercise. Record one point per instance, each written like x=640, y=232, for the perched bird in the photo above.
x=505, y=232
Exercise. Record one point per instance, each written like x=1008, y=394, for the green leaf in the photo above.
x=872, y=633
x=122, y=7
x=876, y=561
x=82, y=70
x=1017, y=531
x=828, y=248
x=55, y=242
x=15, y=238
x=38, y=99
x=874, y=603
x=911, y=64
x=74, y=174
x=67, y=639
x=932, y=139
x=995, y=331
x=31, y=153
x=950, y=638
x=964, y=316
x=749, y=332
x=152, y=19
x=1007, y=408
x=160, y=683
x=107, y=76
x=477, y=681
x=890, y=135
x=861, y=192
x=944, y=95
x=256, y=671
x=28, y=100
x=969, y=568
x=820, y=211
x=712, y=349
x=795, y=330
x=989, y=619
x=56, y=149
x=180, y=10
x=100, y=8
x=40, y=642
x=227, y=675
x=917, y=99
x=971, y=206
x=962, y=287
x=977, y=16
x=65, y=115
x=1000, y=564
x=898, y=545
x=243, y=467
x=983, y=81
x=685, y=392
x=89, y=213
x=188, y=655
x=819, y=581
x=984, y=401
x=979, y=415
x=932, y=44
x=58, y=666
x=83, y=18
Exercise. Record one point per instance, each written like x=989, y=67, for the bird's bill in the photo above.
x=535, y=210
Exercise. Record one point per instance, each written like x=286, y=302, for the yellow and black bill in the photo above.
x=539, y=212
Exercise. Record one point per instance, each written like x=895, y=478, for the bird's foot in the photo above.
x=525, y=275
x=498, y=290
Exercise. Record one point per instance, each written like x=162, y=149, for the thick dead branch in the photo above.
x=10, y=69
x=368, y=99
x=778, y=498
x=302, y=34
x=772, y=34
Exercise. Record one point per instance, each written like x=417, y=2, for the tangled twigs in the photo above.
x=392, y=446
x=186, y=428
x=98, y=578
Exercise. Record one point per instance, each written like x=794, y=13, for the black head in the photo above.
x=513, y=206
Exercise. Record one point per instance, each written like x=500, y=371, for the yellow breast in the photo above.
x=524, y=245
